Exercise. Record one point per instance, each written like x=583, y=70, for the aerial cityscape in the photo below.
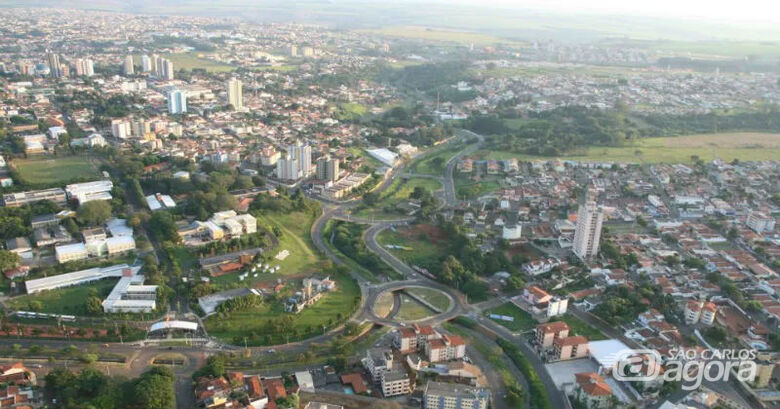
x=359, y=204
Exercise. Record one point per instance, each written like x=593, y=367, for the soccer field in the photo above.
x=60, y=170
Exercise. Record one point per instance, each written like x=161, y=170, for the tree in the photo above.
x=94, y=213
x=94, y=305
x=8, y=260
x=154, y=390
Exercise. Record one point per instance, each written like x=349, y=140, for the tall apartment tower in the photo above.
x=154, y=69
x=303, y=154
x=54, y=64
x=588, y=232
x=128, y=68
x=287, y=168
x=168, y=70
x=177, y=102
x=327, y=168
x=146, y=63
x=85, y=67
x=235, y=95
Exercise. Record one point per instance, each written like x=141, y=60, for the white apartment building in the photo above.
x=760, y=222
x=85, y=192
x=445, y=348
x=588, y=232
x=120, y=129
x=440, y=395
x=235, y=95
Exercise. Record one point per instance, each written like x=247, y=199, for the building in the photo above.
x=588, y=232
x=700, y=311
x=159, y=202
x=128, y=68
x=439, y=395
x=445, y=348
x=301, y=153
x=177, y=102
x=396, y=382
x=377, y=362
x=546, y=334
x=235, y=95
x=89, y=191
x=130, y=294
x=54, y=64
x=56, y=195
x=146, y=63
x=167, y=70
x=85, y=67
x=120, y=129
x=327, y=168
x=70, y=252
x=570, y=348
x=287, y=168
x=512, y=232
x=410, y=339
x=592, y=390
x=760, y=222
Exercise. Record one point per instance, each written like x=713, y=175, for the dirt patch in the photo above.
x=434, y=233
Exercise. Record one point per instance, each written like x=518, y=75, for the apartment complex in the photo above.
x=588, y=232
x=439, y=395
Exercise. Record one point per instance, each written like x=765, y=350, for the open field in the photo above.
x=192, y=60
x=745, y=146
x=580, y=327
x=523, y=320
x=384, y=304
x=441, y=35
x=253, y=324
x=434, y=160
x=59, y=170
x=421, y=244
x=68, y=301
x=411, y=310
x=397, y=193
x=434, y=297
x=467, y=188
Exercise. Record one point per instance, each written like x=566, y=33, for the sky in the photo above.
x=723, y=10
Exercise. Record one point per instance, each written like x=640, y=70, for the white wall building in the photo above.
x=588, y=232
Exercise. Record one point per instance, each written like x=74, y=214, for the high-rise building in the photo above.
x=303, y=154
x=85, y=67
x=588, y=232
x=293, y=50
x=287, y=168
x=146, y=63
x=168, y=70
x=327, y=168
x=177, y=101
x=128, y=68
x=141, y=128
x=54, y=64
x=154, y=69
x=120, y=128
x=235, y=95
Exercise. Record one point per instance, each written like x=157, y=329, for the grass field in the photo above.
x=192, y=60
x=435, y=297
x=580, y=327
x=434, y=161
x=440, y=35
x=422, y=245
x=60, y=170
x=68, y=301
x=411, y=310
x=384, y=304
x=397, y=193
x=467, y=188
x=253, y=323
x=523, y=320
x=745, y=146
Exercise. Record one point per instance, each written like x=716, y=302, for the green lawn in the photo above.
x=467, y=188
x=435, y=297
x=253, y=323
x=369, y=160
x=746, y=146
x=411, y=310
x=435, y=159
x=398, y=192
x=523, y=320
x=580, y=327
x=59, y=170
x=68, y=301
x=416, y=249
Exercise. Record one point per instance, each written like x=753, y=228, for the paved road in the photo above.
x=450, y=195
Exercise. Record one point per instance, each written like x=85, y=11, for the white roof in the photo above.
x=607, y=352
x=76, y=277
x=118, y=227
x=70, y=248
x=153, y=203
x=383, y=155
x=175, y=324
x=305, y=381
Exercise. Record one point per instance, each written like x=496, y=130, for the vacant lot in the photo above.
x=411, y=310
x=419, y=244
x=746, y=146
x=55, y=171
x=580, y=327
x=523, y=320
x=434, y=297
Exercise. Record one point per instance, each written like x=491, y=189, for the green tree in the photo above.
x=94, y=213
x=8, y=260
